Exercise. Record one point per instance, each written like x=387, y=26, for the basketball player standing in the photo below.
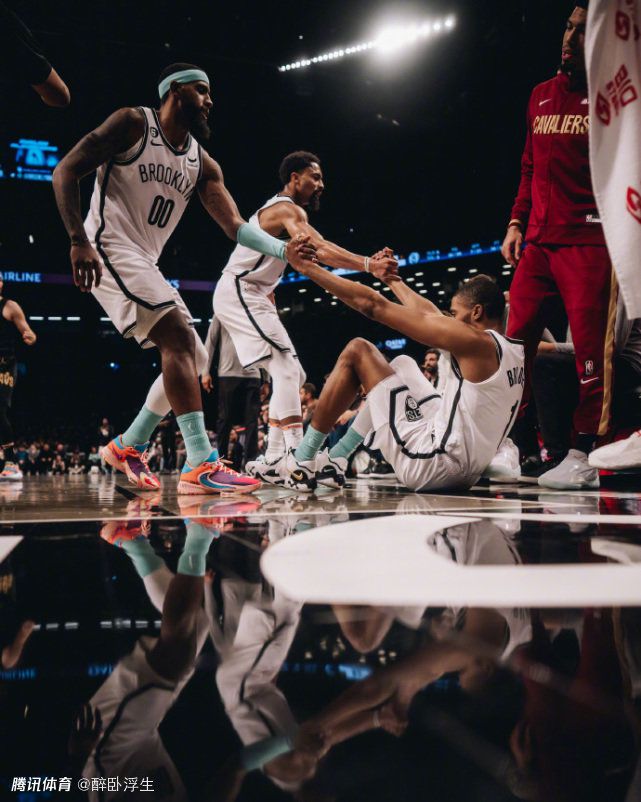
x=244, y=303
x=149, y=164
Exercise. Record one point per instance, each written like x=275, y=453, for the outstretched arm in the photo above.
x=118, y=133
x=294, y=220
x=424, y=326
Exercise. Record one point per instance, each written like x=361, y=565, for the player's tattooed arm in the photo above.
x=217, y=199
x=118, y=133
x=221, y=206
x=17, y=317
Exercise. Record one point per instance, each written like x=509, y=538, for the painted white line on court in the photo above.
x=388, y=561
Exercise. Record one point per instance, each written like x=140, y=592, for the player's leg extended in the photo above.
x=127, y=452
x=589, y=291
x=285, y=372
x=530, y=290
x=203, y=473
x=360, y=364
x=285, y=420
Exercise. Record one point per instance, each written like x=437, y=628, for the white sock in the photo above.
x=275, y=444
x=293, y=434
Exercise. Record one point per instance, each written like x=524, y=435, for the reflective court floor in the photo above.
x=364, y=644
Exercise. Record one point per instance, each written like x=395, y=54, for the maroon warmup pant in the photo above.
x=582, y=276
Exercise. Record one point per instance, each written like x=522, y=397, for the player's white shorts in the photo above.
x=134, y=293
x=251, y=320
x=133, y=702
x=403, y=409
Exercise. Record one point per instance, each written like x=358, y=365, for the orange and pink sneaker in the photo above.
x=132, y=461
x=213, y=476
x=118, y=532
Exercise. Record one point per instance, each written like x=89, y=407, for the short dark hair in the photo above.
x=581, y=4
x=433, y=351
x=294, y=163
x=310, y=388
x=485, y=291
x=170, y=70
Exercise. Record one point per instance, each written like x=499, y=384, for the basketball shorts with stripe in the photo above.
x=134, y=293
x=251, y=319
x=407, y=435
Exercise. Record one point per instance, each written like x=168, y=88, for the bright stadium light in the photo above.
x=389, y=40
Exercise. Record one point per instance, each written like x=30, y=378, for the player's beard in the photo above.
x=200, y=130
x=314, y=203
x=198, y=126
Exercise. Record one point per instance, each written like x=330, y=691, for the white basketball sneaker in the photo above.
x=299, y=474
x=505, y=467
x=272, y=473
x=620, y=456
x=573, y=473
x=330, y=471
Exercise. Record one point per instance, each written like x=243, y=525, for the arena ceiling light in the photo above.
x=389, y=40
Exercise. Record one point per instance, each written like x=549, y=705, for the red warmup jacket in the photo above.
x=555, y=198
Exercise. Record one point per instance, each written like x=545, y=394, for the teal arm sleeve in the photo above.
x=259, y=240
x=255, y=756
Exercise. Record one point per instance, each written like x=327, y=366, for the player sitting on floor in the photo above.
x=433, y=441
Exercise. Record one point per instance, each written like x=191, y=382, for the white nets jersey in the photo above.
x=476, y=417
x=141, y=194
x=262, y=271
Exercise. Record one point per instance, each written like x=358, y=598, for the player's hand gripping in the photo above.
x=300, y=253
x=384, y=266
x=86, y=266
x=512, y=245
x=206, y=382
x=28, y=337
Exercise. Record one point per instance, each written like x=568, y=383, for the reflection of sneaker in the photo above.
x=573, y=473
x=620, y=456
x=533, y=467
x=214, y=512
x=118, y=532
x=11, y=473
x=214, y=477
x=505, y=466
x=132, y=461
x=330, y=471
x=301, y=475
x=272, y=473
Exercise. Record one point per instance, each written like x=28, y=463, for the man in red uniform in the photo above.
x=566, y=254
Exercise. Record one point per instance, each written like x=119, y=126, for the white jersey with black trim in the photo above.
x=476, y=417
x=262, y=271
x=140, y=195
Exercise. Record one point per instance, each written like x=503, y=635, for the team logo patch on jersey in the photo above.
x=153, y=132
x=589, y=367
x=412, y=410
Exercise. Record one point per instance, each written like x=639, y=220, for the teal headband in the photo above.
x=183, y=77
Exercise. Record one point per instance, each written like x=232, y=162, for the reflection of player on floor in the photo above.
x=244, y=304
x=432, y=441
x=149, y=165
x=11, y=319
